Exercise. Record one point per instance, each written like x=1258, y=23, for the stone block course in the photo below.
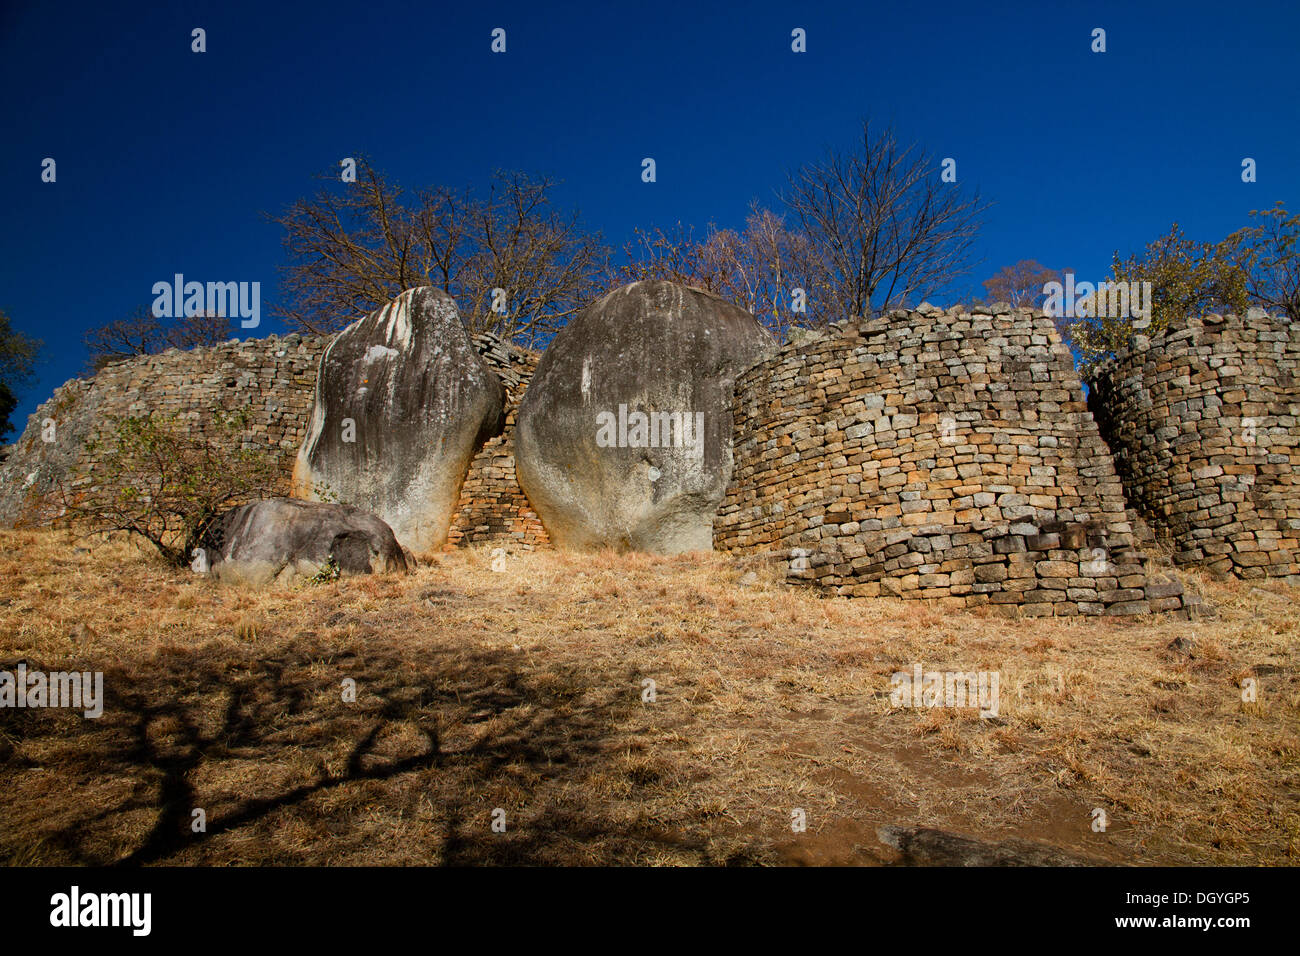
x=275, y=379
x=936, y=455
x=271, y=378
x=1202, y=426
x=492, y=507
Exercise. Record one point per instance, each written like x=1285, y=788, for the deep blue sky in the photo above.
x=166, y=157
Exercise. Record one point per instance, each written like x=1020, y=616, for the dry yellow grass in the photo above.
x=522, y=691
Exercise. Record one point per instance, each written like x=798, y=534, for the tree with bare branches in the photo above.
x=757, y=267
x=762, y=267
x=1021, y=284
x=140, y=333
x=882, y=228
x=516, y=264
x=673, y=254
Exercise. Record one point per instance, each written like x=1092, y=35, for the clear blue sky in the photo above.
x=167, y=157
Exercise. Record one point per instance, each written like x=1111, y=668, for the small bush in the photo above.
x=166, y=480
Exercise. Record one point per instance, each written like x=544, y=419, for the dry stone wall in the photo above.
x=275, y=379
x=1202, y=423
x=492, y=507
x=272, y=378
x=923, y=454
x=937, y=455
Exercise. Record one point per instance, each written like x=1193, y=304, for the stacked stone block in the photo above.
x=492, y=506
x=1202, y=424
x=272, y=379
x=935, y=455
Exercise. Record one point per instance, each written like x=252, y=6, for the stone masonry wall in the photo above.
x=273, y=378
x=492, y=506
x=1202, y=423
x=938, y=455
x=923, y=454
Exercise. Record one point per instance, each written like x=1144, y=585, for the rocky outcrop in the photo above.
x=281, y=540
x=402, y=403
x=624, y=435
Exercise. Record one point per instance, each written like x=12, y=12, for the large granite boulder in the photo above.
x=282, y=539
x=403, y=401
x=623, y=439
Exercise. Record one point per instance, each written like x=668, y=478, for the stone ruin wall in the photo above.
x=922, y=454
x=1202, y=426
x=492, y=506
x=271, y=378
x=935, y=455
x=274, y=379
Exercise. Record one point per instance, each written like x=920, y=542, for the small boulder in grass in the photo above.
x=282, y=540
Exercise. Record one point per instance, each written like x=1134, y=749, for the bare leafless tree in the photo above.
x=673, y=254
x=354, y=246
x=140, y=333
x=762, y=268
x=757, y=267
x=1021, y=284
x=882, y=228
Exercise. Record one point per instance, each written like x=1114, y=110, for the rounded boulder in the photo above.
x=279, y=540
x=623, y=438
x=403, y=401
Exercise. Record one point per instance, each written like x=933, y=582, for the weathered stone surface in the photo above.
x=422, y=402
x=624, y=436
x=282, y=539
x=924, y=455
x=273, y=380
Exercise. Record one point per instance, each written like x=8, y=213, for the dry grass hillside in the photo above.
x=523, y=690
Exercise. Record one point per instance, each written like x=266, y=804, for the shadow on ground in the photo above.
x=437, y=745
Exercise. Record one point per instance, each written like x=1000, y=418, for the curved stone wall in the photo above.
x=935, y=454
x=272, y=378
x=1202, y=426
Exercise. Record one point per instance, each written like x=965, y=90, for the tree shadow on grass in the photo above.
x=463, y=732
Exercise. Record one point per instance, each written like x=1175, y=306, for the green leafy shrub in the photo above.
x=166, y=479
